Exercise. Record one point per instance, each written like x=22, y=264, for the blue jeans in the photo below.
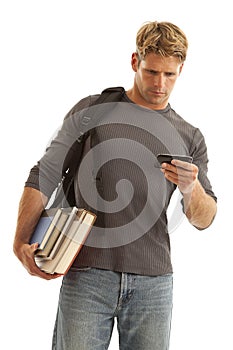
x=90, y=300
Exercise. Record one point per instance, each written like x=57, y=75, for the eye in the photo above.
x=170, y=74
x=151, y=71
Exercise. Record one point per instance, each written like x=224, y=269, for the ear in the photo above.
x=134, y=61
x=181, y=67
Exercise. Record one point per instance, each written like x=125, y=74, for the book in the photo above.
x=65, y=231
x=70, y=238
x=45, y=226
x=75, y=244
x=50, y=239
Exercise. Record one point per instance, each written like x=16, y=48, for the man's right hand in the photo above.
x=25, y=253
x=31, y=206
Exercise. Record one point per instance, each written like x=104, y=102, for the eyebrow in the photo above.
x=156, y=71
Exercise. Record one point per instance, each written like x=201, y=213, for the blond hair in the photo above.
x=162, y=38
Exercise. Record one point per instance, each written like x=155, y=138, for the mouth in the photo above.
x=157, y=93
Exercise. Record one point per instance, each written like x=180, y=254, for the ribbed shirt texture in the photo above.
x=120, y=178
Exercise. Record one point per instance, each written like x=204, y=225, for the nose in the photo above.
x=159, y=81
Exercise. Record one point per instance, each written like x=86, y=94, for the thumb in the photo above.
x=34, y=247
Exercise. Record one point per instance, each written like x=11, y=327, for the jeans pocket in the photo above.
x=75, y=273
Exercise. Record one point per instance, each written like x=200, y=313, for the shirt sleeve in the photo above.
x=200, y=158
x=47, y=173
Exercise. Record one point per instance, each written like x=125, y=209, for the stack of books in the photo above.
x=61, y=234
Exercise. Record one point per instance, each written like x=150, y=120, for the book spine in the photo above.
x=76, y=243
x=53, y=236
x=64, y=232
x=50, y=229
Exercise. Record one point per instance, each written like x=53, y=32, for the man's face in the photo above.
x=154, y=79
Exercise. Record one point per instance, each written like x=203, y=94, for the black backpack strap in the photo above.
x=65, y=193
x=112, y=94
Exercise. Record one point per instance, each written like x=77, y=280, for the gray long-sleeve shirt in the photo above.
x=119, y=177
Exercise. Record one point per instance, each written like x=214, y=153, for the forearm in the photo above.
x=31, y=205
x=199, y=207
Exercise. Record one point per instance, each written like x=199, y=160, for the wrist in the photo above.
x=18, y=247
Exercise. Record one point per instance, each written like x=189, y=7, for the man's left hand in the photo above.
x=182, y=174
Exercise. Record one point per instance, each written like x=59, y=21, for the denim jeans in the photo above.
x=91, y=299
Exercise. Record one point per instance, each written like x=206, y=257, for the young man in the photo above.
x=124, y=270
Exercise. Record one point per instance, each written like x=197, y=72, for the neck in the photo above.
x=135, y=96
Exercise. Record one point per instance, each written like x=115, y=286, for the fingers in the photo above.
x=28, y=260
x=182, y=174
x=180, y=168
x=183, y=165
x=35, y=271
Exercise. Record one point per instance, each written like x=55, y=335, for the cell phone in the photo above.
x=167, y=158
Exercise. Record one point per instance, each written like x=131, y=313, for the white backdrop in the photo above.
x=55, y=52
